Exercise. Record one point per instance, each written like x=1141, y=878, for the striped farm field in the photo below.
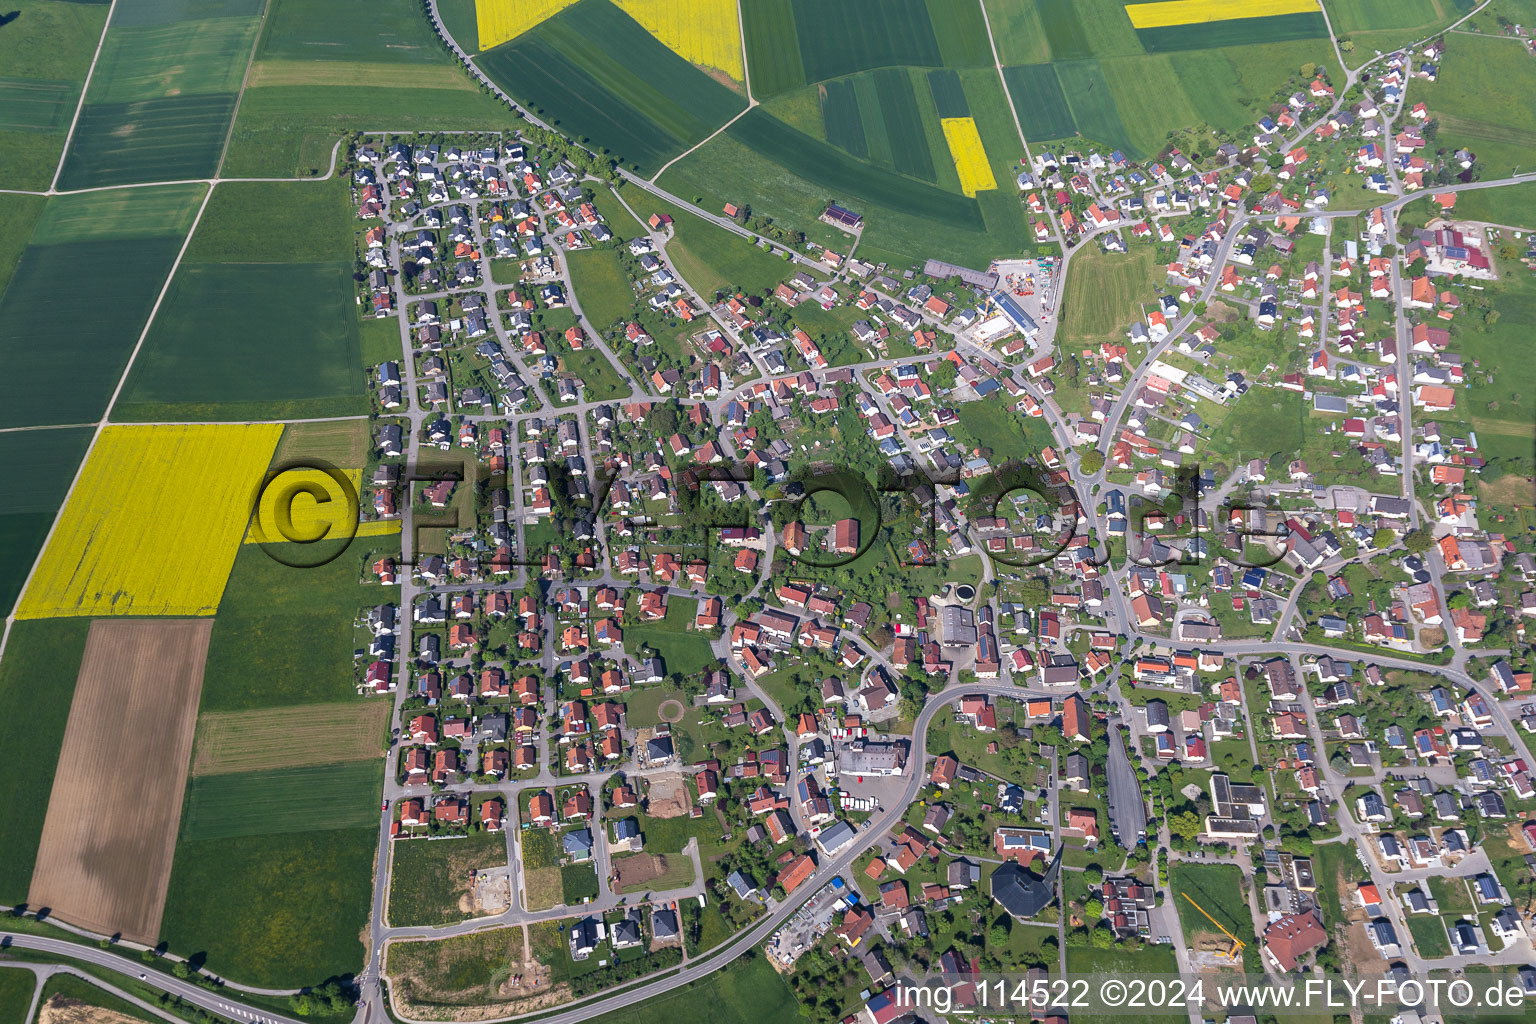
x=265, y=738
x=1194, y=12
x=703, y=32
x=501, y=20
x=154, y=522
x=309, y=799
x=969, y=155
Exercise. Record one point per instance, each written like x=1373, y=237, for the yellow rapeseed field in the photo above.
x=1192, y=12
x=970, y=157
x=500, y=20
x=310, y=516
x=703, y=32
x=154, y=522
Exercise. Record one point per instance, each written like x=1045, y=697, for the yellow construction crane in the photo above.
x=1238, y=945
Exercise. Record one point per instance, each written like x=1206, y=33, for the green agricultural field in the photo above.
x=773, y=47
x=250, y=341
x=580, y=69
x=378, y=340
x=1480, y=100
x=948, y=93
x=904, y=123
x=1042, y=105
x=749, y=991
x=683, y=650
x=320, y=71
x=601, y=380
x=840, y=173
x=314, y=798
x=45, y=50
x=197, y=57
x=120, y=213
x=37, y=683
x=16, y=987
x=1266, y=422
x=1017, y=31
x=46, y=460
x=428, y=879
x=342, y=443
x=18, y=214
x=602, y=287
x=289, y=628
x=961, y=31
x=1104, y=293
x=843, y=122
x=165, y=139
x=125, y=276
x=250, y=903
x=1512, y=205
x=1386, y=25
x=839, y=38
x=1209, y=35
x=707, y=256
x=1093, y=103
x=275, y=222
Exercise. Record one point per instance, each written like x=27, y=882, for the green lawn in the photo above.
x=683, y=650
x=602, y=288
x=16, y=987
x=428, y=878
x=577, y=882
x=1122, y=963
x=747, y=992
x=276, y=910
x=37, y=683
x=1429, y=937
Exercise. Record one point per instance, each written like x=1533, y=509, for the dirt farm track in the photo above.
x=105, y=857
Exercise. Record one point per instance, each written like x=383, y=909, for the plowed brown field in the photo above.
x=105, y=857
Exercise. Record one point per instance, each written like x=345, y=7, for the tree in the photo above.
x=1092, y=461
x=1093, y=909
x=1184, y=824
x=1093, y=874
x=1419, y=540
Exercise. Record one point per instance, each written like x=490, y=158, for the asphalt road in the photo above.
x=194, y=994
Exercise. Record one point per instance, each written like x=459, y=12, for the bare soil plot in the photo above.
x=249, y=741
x=105, y=857
x=59, y=1010
x=650, y=871
x=478, y=976
x=668, y=796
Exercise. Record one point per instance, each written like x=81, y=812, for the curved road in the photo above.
x=209, y=1000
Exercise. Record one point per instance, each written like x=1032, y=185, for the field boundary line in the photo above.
x=746, y=69
x=105, y=417
x=85, y=87
x=750, y=104
x=245, y=80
